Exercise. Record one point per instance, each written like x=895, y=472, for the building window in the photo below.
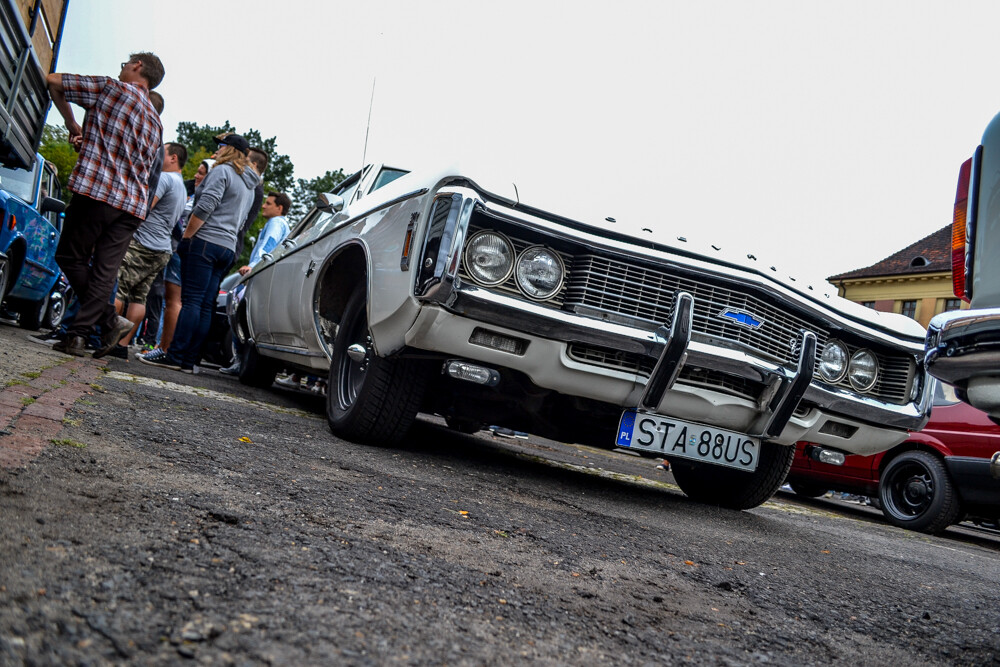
x=909, y=309
x=952, y=304
x=868, y=304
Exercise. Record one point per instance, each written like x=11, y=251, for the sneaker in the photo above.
x=73, y=345
x=49, y=338
x=110, y=340
x=231, y=370
x=119, y=352
x=163, y=361
x=190, y=371
x=152, y=355
x=663, y=466
x=292, y=382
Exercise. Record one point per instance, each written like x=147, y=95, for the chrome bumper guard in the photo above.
x=785, y=392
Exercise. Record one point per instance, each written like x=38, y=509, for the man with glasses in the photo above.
x=118, y=144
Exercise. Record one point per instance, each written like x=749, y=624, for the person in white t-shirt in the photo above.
x=150, y=250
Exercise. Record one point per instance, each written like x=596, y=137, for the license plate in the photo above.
x=673, y=438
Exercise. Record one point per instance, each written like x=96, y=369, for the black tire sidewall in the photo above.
x=735, y=489
x=338, y=417
x=942, y=511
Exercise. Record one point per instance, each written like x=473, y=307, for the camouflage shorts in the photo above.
x=138, y=271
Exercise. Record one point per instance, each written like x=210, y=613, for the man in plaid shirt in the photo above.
x=118, y=143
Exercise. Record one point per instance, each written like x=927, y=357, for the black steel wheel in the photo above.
x=370, y=399
x=55, y=312
x=916, y=493
x=735, y=489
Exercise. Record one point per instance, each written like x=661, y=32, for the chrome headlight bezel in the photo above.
x=470, y=267
x=830, y=346
x=557, y=261
x=855, y=360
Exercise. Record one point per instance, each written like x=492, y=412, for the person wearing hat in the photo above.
x=208, y=248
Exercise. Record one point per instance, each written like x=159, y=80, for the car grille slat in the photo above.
x=647, y=294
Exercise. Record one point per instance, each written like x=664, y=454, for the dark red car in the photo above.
x=947, y=472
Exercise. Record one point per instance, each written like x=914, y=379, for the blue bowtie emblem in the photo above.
x=741, y=317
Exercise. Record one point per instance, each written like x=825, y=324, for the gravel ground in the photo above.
x=186, y=518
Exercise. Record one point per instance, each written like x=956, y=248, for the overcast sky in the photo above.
x=822, y=136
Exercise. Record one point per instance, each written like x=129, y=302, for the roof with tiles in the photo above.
x=931, y=254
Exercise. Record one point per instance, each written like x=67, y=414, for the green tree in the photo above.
x=306, y=191
x=201, y=138
x=55, y=148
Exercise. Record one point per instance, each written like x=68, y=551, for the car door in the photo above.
x=39, y=236
x=259, y=289
x=291, y=321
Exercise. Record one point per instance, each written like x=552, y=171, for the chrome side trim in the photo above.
x=441, y=250
x=302, y=352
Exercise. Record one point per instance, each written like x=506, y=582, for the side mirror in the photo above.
x=330, y=203
x=53, y=204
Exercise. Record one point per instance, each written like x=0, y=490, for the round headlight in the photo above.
x=833, y=361
x=863, y=371
x=489, y=258
x=539, y=273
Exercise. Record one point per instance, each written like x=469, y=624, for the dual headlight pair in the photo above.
x=861, y=368
x=490, y=259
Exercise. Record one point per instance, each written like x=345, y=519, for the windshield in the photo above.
x=18, y=182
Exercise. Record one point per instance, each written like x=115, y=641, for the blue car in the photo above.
x=31, y=214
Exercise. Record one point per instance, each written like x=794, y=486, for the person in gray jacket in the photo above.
x=208, y=248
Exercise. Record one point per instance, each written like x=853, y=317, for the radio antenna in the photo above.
x=364, y=154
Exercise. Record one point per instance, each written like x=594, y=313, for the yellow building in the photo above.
x=916, y=281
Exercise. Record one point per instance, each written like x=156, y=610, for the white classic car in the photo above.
x=426, y=292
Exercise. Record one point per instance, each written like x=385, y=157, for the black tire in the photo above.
x=32, y=313
x=807, y=489
x=4, y=277
x=916, y=493
x=226, y=349
x=255, y=370
x=735, y=489
x=373, y=401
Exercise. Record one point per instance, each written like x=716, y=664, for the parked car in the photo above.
x=30, y=224
x=429, y=292
x=963, y=347
x=934, y=479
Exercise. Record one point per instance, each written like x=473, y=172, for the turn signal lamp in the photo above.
x=958, y=232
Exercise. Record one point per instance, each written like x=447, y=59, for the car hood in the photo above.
x=574, y=210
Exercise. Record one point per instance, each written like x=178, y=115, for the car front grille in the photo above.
x=648, y=294
x=598, y=286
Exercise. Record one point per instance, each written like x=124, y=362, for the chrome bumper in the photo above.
x=963, y=344
x=673, y=347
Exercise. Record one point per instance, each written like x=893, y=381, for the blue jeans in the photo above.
x=203, y=265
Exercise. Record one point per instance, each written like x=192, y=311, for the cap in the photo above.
x=236, y=141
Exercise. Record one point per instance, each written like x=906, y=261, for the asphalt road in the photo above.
x=179, y=518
